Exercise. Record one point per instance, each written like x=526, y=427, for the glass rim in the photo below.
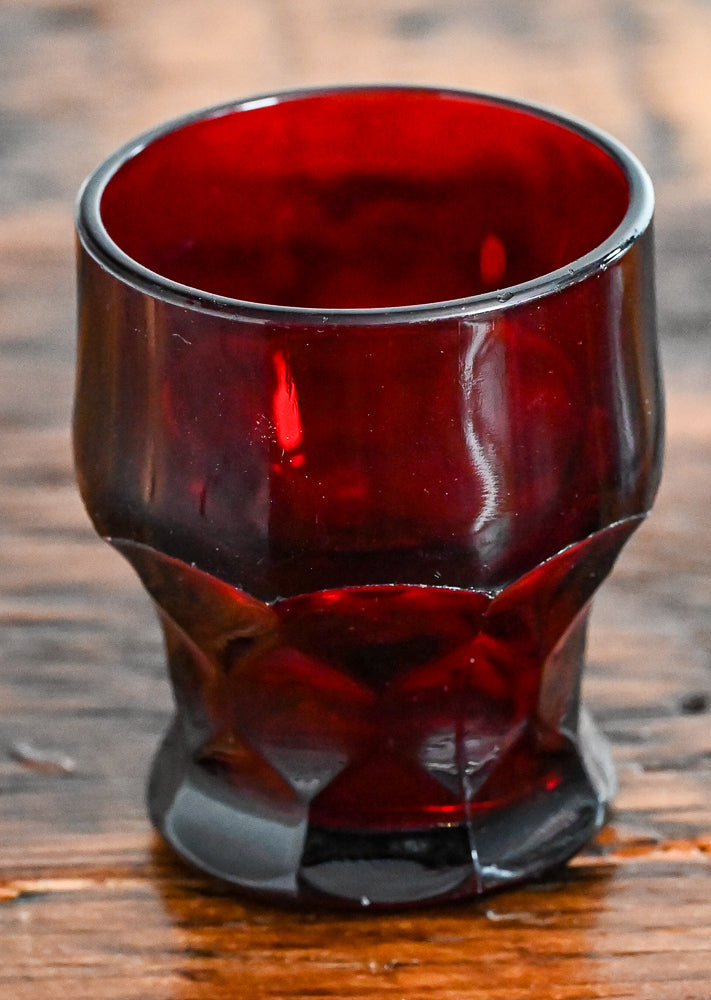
x=98, y=243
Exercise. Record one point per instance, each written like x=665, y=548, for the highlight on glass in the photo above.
x=368, y=395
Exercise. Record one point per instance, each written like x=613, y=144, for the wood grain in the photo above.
x=91, y=904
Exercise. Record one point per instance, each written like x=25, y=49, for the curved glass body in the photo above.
x=368, y=394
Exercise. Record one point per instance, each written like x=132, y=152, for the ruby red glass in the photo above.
x=368, y=395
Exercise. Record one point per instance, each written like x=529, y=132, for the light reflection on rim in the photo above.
x=98, y=243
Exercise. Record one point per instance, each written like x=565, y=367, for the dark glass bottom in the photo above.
x=380, y=746
x=273, y=849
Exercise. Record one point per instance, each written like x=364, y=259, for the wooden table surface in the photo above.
x=92, y=906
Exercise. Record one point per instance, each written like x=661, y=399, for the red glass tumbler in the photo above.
x=368, y=395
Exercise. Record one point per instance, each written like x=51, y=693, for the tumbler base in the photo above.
x=270, y=848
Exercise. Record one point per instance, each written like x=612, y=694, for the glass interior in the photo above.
x=364, y=199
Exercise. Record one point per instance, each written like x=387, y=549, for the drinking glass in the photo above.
x=368, y=395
